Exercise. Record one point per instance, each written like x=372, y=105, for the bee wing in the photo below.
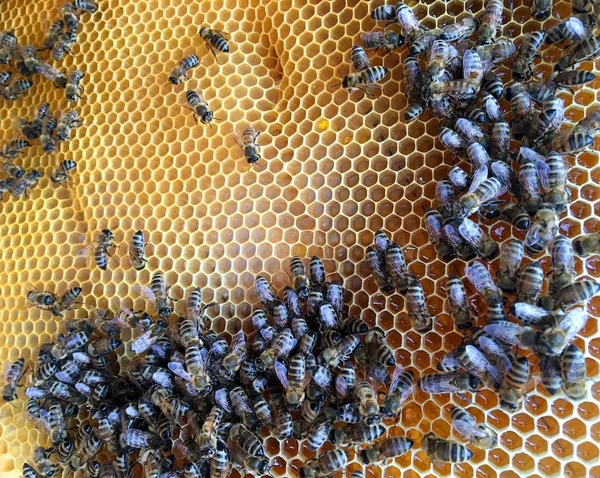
x=472, y=234
x=322, y=376
x=452, y=235
x=543, y=174
x=145, y=292
x=530, y=314
x=479, y=176
x=458, y=294
x=479, y=276
x=84, y=251
x=143, y=342
x=505, y=331
x=238, y=342
x=395, y=380
x=281, y=373
x=222, y=399
x=464, y=428
x=341, y=386
x=478, y=362
x=163, y=378
x=572, y=323
x=503, y=172
x=434, y=227
x=378, y=37
x=360, y=61
x=563, y=255
x=495, y=189
x=472, y=67
x=178, y=369
x=45, y=420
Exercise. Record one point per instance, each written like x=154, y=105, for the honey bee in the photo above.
x=52, y=35
x=14, y=148
x=483, y=244
x=60, y=175
x=13, y=374
x=385, y=13
x=417, y=307
x=396, y=267
x=543, y=230
x=468, y=130
x=459, y=178
x=525, y=337
x=550, y=373
x=531, y=199
x=555, y=339
x=481, y=279
x=239, y=352
x=576, y=293
x=511, y=256
x=571, y=28
x=402, y=385
x=66, y=123
x=21, y=187
x=531, y=279
x=440, y=54
x=579, y=51
x=86, y=6
x=493, y=85
x=137, y=251
x=12, y=170
x=522, y=67
x=459, y=30
x=452, y=140
x=515, y=382
x=444, y=196
x=73, y=89
x=490, y=21
x=42, y=300
x=103, y=242
x=587, y=244
x=365, y=76
x=388, y=449
x=459, y=307
x=481, y=436
x=413, y=82
x=545, y=122
x=573, y=370
x=200, y=108
x=220, y=465
x=540, y=9
x=326, y=465
x=149, y=337
x=333, y=356
x=63, y=44
x=8, y=41
x=316, y=269
x=180, y=73
x=133, y=438
x=249, y=146
x=388, y=40
x=214, y=40
x=434, y=225
x=47, y=140
x=282, y=346
x=411, y=28
x=454, y=382
x=438, y=449
x=563, y=263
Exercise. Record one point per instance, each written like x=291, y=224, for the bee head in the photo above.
x=509, y=406
x=173, y=80
x=207, y=117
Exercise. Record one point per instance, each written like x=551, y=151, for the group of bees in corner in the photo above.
x=215, y=41
x=307, y=371
x=48, y=130
x=44, y=127
x=59, y=39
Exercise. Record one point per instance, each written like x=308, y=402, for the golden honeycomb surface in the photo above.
x=337, y=167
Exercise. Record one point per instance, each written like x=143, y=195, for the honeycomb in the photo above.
x=336, y=168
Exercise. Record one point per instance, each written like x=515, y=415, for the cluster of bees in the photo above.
x=43, y=127
x=59, y=39
x=48, y=131
x=307, y=371
x=215, y=41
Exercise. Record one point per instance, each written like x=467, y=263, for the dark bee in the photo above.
x=73, y=89
x=180, y=73
x=215, y=40
x=200, y=107
x=61, y=174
